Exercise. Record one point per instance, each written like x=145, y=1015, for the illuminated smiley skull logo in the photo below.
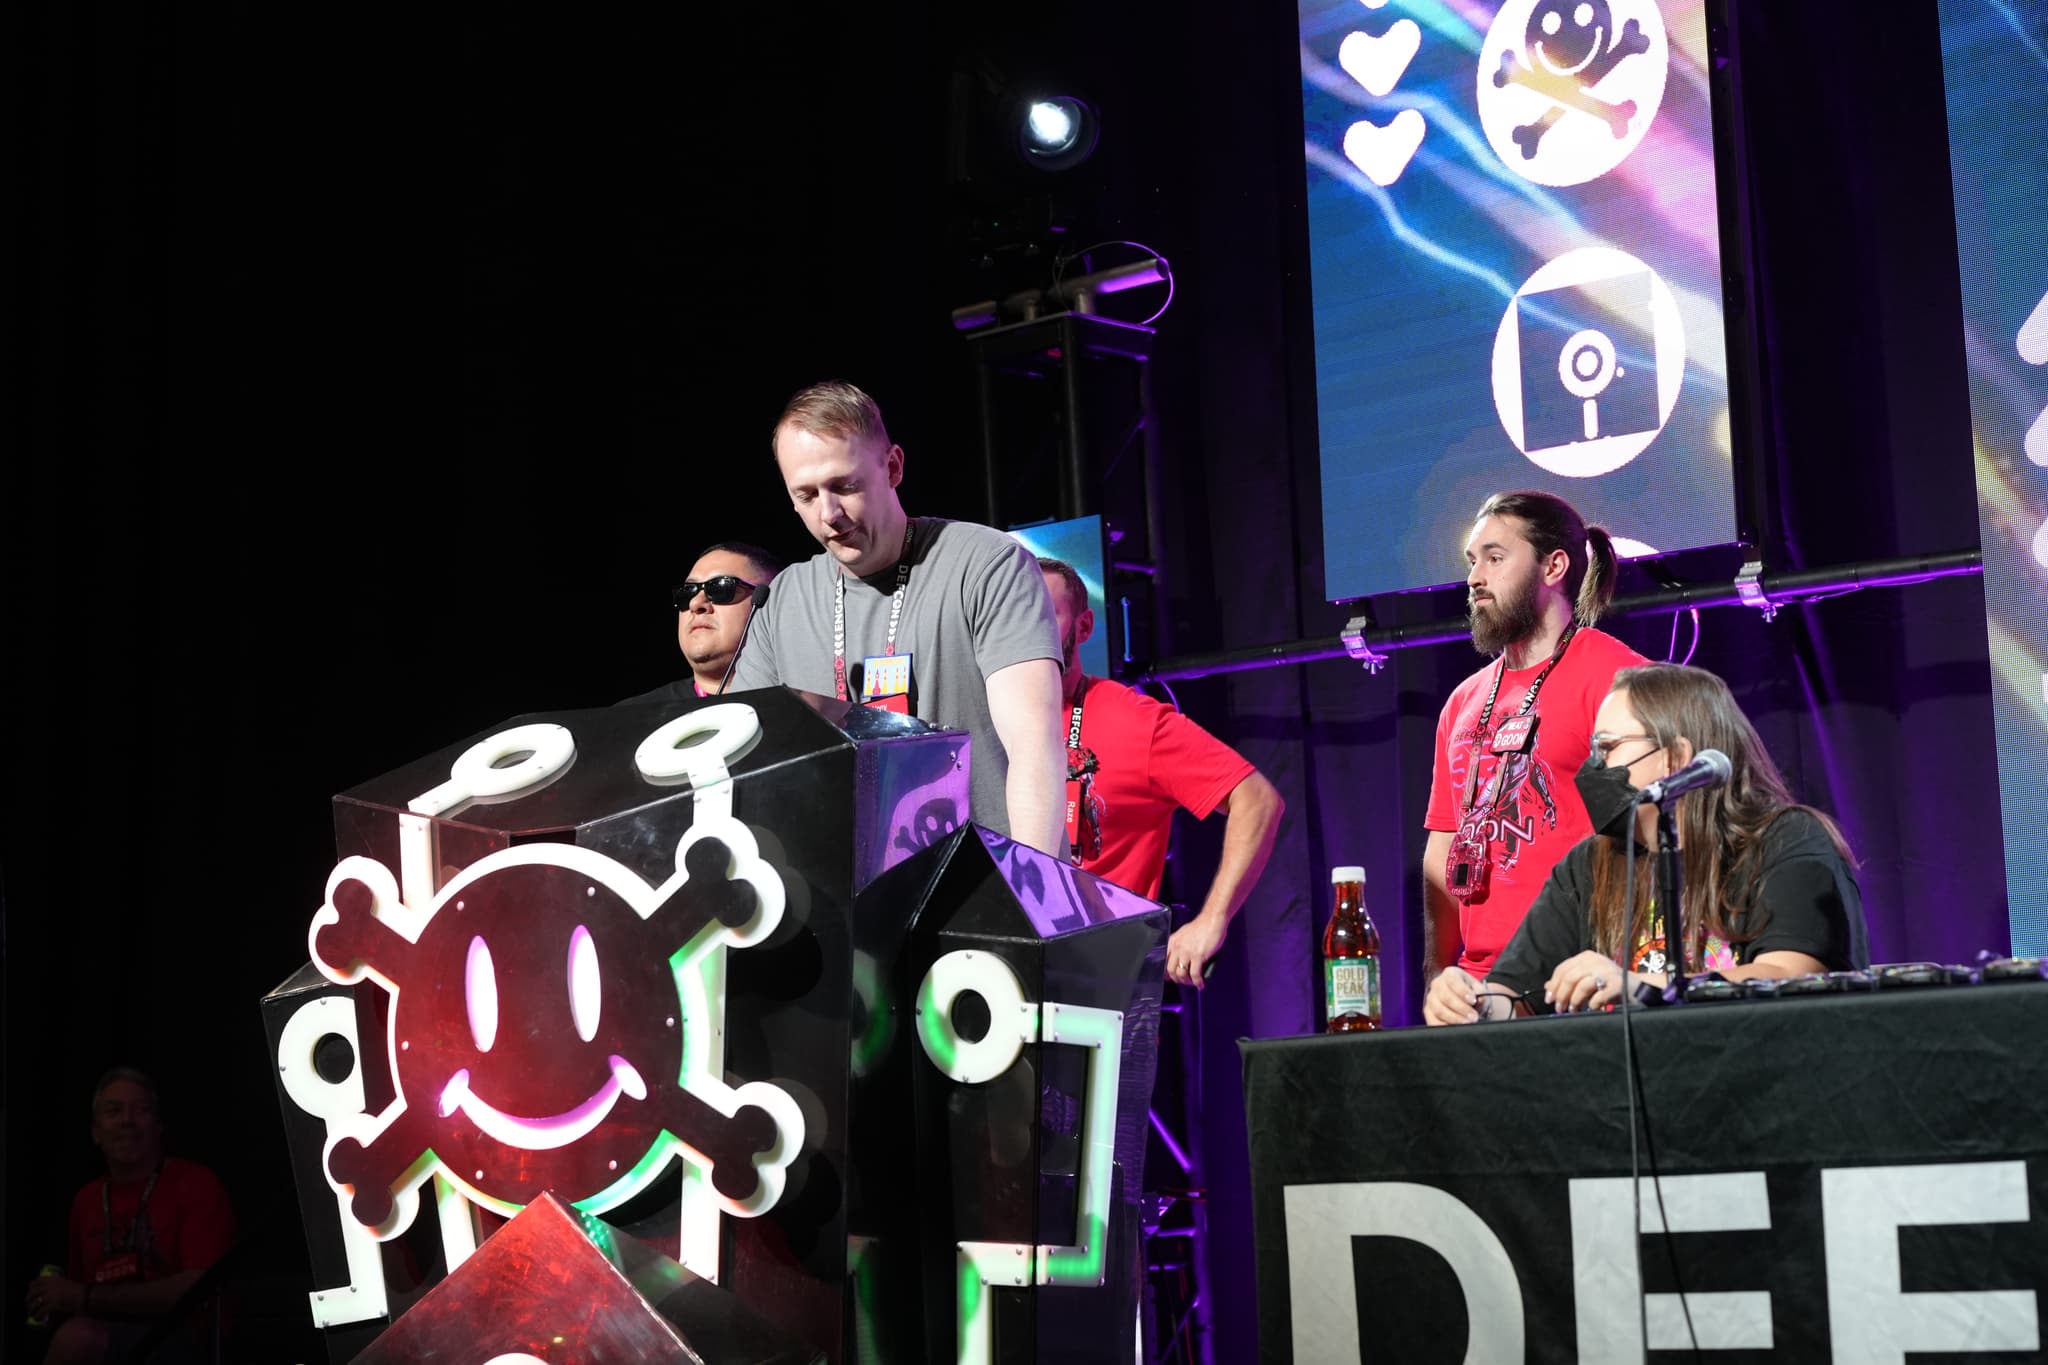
x=542, y=1023
x=1568, y=88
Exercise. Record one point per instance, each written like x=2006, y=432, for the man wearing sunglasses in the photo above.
x=713, y=606
x=943, y=620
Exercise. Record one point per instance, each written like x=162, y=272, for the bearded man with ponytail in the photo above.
x=1502, y=806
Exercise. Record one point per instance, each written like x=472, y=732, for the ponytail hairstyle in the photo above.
x=1552, y=524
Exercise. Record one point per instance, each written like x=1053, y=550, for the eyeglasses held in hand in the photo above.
x=721, y=591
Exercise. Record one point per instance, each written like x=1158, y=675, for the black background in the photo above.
x=375, y=377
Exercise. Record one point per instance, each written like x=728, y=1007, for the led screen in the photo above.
x=1516, y=274
x=1995, y=67
x=1079, y=543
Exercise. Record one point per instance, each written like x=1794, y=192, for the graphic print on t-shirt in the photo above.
x=1515, y=792
x=1650, y=955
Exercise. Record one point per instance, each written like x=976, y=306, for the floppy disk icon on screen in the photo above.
x=1588, y=361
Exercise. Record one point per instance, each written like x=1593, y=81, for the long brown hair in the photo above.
x=1553, y=524
x=1720, y=829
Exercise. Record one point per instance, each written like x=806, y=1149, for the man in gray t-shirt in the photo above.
x=966, y=605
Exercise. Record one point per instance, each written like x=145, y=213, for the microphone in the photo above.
x=760, y=601
x=1710, y=768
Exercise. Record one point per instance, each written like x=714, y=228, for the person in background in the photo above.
x=1769, y=885
x=1502, y=808
x=1131, y=762
x=140, y=1237
x=713, y=606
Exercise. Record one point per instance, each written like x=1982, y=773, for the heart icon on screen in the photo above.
x=2033, y=338
x=1377, y=63
x=1383, y=153
x=2033, y=347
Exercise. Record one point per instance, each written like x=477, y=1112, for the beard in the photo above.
x=1507, y=618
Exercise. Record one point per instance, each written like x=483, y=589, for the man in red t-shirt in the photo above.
x=141, y=1236
x=1503, y=807
x=1130, y=763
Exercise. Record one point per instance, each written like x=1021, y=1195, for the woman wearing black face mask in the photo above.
x=1769, y=885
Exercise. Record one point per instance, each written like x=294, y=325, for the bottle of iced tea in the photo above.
x=1351, y=957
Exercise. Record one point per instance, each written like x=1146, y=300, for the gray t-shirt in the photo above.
x=975, y=603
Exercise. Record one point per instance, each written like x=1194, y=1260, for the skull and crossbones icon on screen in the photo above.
x=1571, y=46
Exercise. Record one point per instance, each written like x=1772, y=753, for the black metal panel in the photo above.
x=998, y=1160
x=832, y=795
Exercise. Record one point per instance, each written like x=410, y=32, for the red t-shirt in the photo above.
x=1150, y=759
x=191, y=1222
x=1527, y=807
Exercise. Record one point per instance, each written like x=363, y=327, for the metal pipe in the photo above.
x=1078, y=294
x=1152, y=474
x=1074, y=482
x=1769, y=592
x=1115, y=280
x=991, y=461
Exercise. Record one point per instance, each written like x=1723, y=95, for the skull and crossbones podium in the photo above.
x=658, y=967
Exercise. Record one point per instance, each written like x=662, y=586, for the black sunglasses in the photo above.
x=721, y=591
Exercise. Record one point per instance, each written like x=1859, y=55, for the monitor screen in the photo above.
x=1516, y=275
x=1995, y=68
x=1079, y=542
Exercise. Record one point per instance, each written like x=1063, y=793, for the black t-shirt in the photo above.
x=1808, y=903
x=684, y=690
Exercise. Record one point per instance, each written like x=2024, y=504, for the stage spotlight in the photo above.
x=1056, y=132
x=1051, y=126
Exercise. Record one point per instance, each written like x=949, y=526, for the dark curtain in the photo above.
x=373, y=384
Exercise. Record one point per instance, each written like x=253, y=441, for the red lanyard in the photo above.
x=1528, y=704
x=1080, y=779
